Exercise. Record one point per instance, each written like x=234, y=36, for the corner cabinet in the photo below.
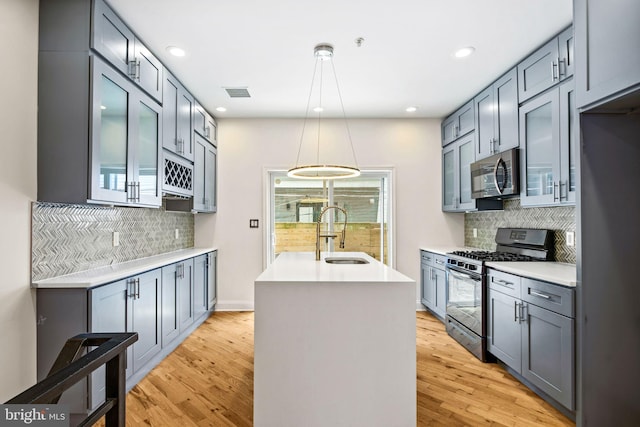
x=496, y=110
x=531, y=328
x=433, y=290
x=456, y=175
x=607, y=35
x=548, y=138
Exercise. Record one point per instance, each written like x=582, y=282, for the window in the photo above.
x=295, y=206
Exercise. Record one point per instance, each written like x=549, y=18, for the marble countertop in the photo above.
x=555, y=272
x=301, y=267
x=103, y=275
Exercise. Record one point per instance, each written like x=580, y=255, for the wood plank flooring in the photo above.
x=208, y=381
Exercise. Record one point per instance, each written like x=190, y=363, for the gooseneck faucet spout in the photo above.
x=332, y=236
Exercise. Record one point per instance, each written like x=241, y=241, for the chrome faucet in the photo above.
x=332, y=236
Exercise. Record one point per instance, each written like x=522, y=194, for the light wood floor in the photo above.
x=208, y=381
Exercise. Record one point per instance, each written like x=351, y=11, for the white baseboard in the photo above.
x=234, y=306
x=248, y=306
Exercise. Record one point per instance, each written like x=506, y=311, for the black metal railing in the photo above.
x=69, y=368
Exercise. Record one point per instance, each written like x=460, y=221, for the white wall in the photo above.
x=18, y=86
x=248, y=146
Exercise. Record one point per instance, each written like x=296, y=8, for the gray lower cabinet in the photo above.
x=212, y=279
x=200, y=285
x=496, y=110
x=531, y=328
x=548, y=138
x=608, y=58
x=456, y=174
x=158, y=305
x=432, y=283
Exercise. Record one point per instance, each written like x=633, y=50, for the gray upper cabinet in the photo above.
x=548, y=139
x=117, y=44
x=102, y=146
x=496, y=110
x=607, y=35
x=178, y=108
x=456, y=180
x=125, y=138
x=458, y=124
x=545, y=67
x=205, y=165
x=205, y=124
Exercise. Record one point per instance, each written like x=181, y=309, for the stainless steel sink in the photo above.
x=345, y=260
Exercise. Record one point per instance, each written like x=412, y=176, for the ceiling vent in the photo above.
x=237, y=92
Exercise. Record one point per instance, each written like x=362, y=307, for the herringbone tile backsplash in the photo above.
x=559, y=219
x=70, y=238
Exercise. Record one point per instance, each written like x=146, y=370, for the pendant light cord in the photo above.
x=344, y=115
x=306, y=114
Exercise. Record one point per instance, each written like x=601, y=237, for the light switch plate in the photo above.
x=177, y=233
x=115, y=239
x=475, y=232
x=571, y=238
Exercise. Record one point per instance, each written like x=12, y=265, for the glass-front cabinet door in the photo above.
x=539, y=137
x=466, y=156
x=147, y=155
x=111, y=127
x=448, y=178
x=125, y=137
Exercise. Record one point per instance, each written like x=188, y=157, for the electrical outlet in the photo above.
x=475, y=232
x=571, y=238
x=177, y=234
x=115, y=239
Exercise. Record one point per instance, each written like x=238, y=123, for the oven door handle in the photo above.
x=461, y=275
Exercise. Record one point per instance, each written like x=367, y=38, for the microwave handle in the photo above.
x=500, y=163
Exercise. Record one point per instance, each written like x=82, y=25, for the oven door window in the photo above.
x=465, y=299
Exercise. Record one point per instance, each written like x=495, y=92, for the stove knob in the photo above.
x=473, y=267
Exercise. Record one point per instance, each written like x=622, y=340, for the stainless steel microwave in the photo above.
x=496, y=176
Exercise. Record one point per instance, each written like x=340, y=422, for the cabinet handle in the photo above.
x=566, y=190
x=564, y=66
x=131, y=192
x=439, y=262
x=522, y=313
x=134, y=70
x=207, y=132
x=554, y=66
x=490, y=145
x=515, y=311
x=556, y=186
x=431, y=273
x=131, y=291
x=538, y=294
x=503, y=283
x=138, y=288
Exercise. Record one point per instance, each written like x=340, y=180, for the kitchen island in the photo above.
x=335, y=344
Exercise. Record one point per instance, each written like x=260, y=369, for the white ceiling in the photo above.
x=405, y=60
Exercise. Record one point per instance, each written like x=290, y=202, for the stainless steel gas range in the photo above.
x=466, y=319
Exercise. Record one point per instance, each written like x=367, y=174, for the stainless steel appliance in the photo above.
x=496, y=175
x=466, y=319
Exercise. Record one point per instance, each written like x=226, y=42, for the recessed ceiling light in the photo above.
x=318, y=109
x=464, y=52
x=221, y=109
x=176, y=51
x=411, y=109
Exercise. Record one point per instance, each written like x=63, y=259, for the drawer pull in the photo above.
x=439, y=262
x=539, y=294
x=503, y=283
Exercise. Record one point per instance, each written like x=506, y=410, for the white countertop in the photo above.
x=301, y=267
x=443, y=250
x=554, y=272
x=100, y=276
